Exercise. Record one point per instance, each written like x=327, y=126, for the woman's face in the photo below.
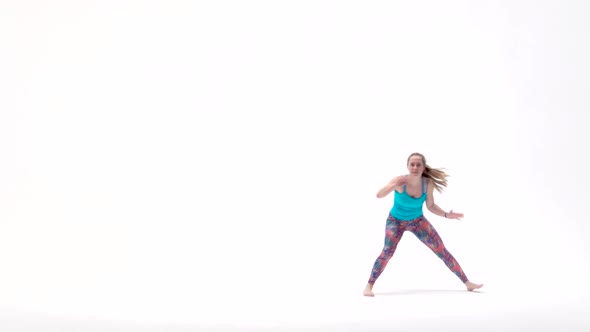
x=416, y=165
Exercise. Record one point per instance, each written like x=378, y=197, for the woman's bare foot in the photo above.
x=471, y=286
x=368, y=291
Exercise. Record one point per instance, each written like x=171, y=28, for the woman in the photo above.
x=411, y=191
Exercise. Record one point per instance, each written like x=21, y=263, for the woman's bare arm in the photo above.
x=432, y=207
x=389, y=187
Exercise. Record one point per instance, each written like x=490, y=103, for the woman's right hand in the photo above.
x=394, y=183
x=401, y=180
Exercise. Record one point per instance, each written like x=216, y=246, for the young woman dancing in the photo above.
x=410, y=193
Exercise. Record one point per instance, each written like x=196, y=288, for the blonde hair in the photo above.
x=437, y=175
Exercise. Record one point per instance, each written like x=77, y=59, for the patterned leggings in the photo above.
x=424, y=231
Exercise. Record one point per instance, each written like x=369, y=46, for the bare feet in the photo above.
x=471, y=286
x=368, y=291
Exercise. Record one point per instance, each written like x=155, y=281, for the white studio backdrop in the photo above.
x=164, y=158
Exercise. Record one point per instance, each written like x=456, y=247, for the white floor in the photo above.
x=174, y=280
x=402, y=310
x=423, y=305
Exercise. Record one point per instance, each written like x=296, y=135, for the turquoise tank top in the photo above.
x=406, y=207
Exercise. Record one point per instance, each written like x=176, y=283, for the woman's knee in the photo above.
x=387, y=253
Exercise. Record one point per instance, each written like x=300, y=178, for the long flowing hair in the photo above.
x=437, y=175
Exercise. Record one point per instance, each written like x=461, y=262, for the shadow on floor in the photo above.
x=426, y=291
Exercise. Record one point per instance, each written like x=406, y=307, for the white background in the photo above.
x=216, y=162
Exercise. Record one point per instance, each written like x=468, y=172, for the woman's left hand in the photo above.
x=454, y=215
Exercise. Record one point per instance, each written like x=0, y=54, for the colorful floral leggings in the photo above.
x=424, y=231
